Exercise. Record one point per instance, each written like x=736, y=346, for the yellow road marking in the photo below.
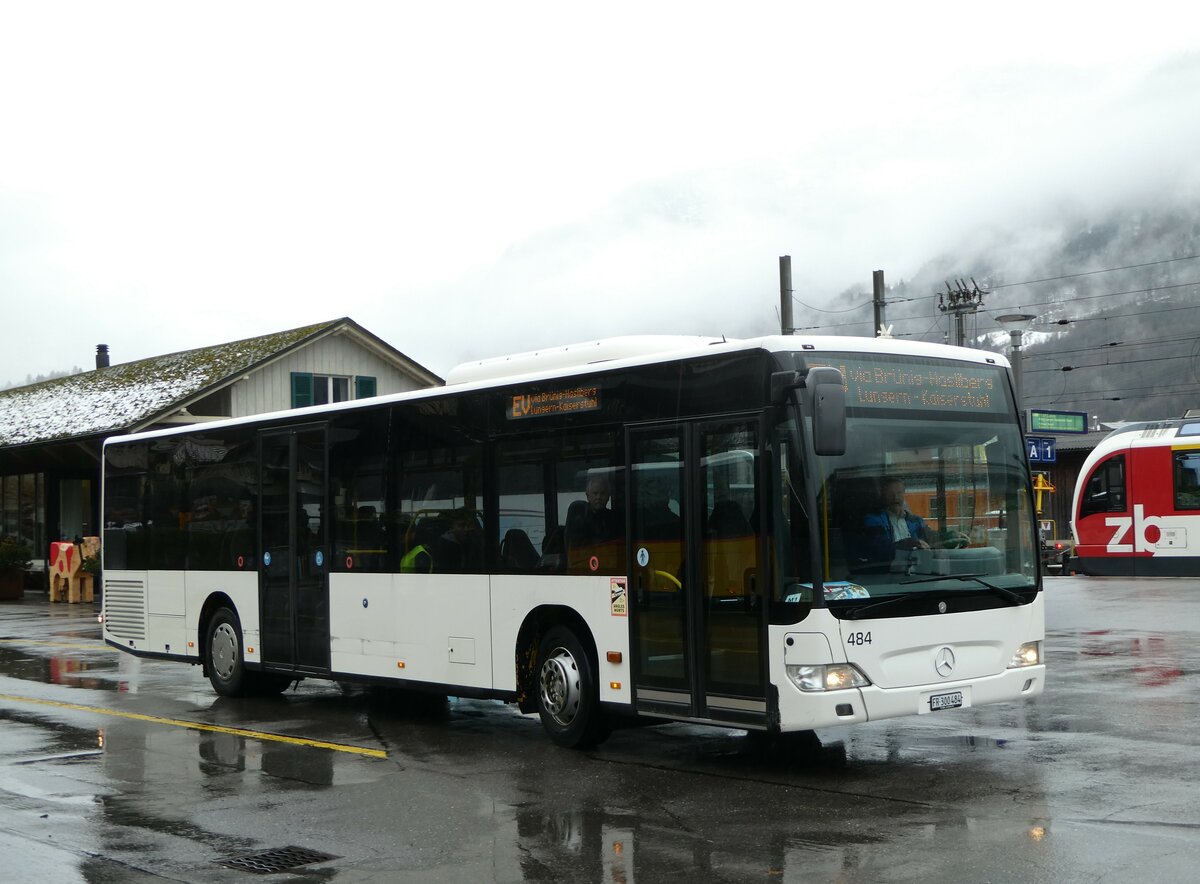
x=97, y=644
x=201, y=726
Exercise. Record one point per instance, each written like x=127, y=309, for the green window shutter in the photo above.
x=302, y=389
x=364, y=386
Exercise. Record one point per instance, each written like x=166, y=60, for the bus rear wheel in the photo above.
x=568, y=697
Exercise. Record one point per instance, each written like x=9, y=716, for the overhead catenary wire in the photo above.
x=1118, y=346
x=1068, y=368
x=1094, y=272
x=1000, y=310
x=820, y=310
x=1141, y=392
x=1005, y=285
x=1075, y=400
x=1029, y=353
x=1060, y=301
x=1121, y=315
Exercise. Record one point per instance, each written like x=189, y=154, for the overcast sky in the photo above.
x=470, y=179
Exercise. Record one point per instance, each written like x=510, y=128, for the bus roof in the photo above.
x=602, y=355
x=655, y=348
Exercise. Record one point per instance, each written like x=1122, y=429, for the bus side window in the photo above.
x=520, y=506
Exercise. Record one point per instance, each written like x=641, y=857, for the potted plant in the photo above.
x=15, y=557
x=90, y=565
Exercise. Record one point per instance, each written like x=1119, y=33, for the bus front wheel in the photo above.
x=568, y=698
x=226, y=668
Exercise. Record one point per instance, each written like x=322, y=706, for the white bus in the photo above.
x=673, y=529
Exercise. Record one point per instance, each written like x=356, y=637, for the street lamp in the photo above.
x=1017, y=324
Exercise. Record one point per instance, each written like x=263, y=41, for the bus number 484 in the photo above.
x=858, y=638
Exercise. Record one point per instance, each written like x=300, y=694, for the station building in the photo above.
x=52, y=432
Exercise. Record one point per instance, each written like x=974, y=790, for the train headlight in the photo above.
x=827, y=677
x=1029, y=654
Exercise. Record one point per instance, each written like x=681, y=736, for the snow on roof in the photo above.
x=122, y=397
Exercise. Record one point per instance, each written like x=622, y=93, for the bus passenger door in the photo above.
x=697, y=613
x=293, y=584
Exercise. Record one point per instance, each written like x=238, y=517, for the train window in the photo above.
x=1187, y=480
x=1105, y=488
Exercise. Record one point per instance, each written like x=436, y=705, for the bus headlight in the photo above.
x=1029, y=654
x=827, y=677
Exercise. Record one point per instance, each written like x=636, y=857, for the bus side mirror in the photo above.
x=828, y=410
x=782, y=383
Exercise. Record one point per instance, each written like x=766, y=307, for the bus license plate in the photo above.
x=952, y=700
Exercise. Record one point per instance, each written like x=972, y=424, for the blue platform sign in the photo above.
x=1041, y=450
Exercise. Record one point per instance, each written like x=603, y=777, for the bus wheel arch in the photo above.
x=562, y=685
x=224, y=662
x=537, y=623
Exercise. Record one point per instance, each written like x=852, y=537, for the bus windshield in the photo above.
x=931, y=496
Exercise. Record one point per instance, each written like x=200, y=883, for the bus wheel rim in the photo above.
x=224, y=650
x=560, y=689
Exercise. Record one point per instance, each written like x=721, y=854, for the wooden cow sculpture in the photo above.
x=67, y=581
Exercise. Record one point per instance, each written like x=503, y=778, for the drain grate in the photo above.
x=278, y=860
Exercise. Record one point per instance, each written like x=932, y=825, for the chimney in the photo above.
x=102, y=356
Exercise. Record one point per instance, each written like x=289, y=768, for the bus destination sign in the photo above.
x=1057, y=421
x=922, y=386
x=553, y=402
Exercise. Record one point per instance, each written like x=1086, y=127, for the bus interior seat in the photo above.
x=517, y=552
x=576, y=520
x=553, y=551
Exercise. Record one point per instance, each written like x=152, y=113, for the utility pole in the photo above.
x=880, y=319
x=785, y=296
x=960, y=301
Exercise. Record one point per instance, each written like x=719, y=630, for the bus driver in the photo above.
x=893, y=527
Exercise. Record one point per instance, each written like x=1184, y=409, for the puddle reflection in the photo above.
x=1155, y=659
x=835, y=819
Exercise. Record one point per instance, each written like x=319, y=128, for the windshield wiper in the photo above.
x=1007, y=594
x=855, y=613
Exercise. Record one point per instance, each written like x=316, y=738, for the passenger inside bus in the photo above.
x=658, y=520
x=459, y=550
x=442, y=543
x=591, y=521
x=593, y=531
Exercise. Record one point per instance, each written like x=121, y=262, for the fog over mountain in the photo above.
x=1117, y=300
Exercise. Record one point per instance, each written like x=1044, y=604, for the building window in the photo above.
x=23, y=510
x=329, y=388
x=322, y=389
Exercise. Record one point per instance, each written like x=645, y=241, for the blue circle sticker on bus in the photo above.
x=643, y=557
x=267, y=558
x=320, y=558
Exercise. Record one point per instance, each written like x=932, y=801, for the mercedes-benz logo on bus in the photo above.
x=943, y=662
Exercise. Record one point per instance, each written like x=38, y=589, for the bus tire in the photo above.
x=568, y=699
x=223, y=647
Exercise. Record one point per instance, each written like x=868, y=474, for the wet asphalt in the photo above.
x=114, y=769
